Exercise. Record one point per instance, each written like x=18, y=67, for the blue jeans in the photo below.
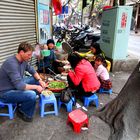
x=26, y=99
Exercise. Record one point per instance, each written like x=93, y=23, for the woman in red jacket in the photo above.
x=82, y=77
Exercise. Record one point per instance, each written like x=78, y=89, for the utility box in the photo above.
x=115, y=30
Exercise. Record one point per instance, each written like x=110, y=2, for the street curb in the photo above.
x=124, y=65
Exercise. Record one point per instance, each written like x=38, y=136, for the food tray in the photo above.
x=56, y=89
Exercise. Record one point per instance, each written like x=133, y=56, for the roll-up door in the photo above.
x=17, y=24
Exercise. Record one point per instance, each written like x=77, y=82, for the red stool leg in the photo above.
x=87, y=122
x=77, y=128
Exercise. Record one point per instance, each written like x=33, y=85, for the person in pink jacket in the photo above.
x=82, y=77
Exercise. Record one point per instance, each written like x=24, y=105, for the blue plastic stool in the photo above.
x=48, y=100
x=102, y=90
x=68, y=105
x=91, y=98
x=11, y=110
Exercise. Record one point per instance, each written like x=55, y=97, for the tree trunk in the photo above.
x=69, y=18
x=123, y=113
x=90, y=14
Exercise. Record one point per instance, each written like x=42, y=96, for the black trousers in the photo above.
x=78, y=91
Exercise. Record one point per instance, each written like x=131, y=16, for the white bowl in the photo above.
x=50, y=79
x=67, y=67
x=64, y=77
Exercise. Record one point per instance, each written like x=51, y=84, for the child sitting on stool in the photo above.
x=102, y=73
x=50, y=61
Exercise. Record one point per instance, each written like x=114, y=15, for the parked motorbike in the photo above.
x=84, y=39
x=80, y=38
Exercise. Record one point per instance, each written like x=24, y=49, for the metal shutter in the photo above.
x=17, y=24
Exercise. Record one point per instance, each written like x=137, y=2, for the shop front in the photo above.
x=26, y=20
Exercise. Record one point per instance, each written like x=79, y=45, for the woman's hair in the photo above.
x=25, y=46
x=97, y=47
x=99, y=58
x=74, y=59
x=102, y=59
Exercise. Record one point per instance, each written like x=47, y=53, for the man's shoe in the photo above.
x=27, y=119
x=24, y=117
x=19, y=114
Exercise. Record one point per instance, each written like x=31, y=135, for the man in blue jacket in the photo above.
x=15, y=88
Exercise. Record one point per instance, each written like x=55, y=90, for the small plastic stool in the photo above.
x=48, y=100
x=89, y=99
x=68, y=105
x=11, y=110
x=78, y=119
x=102, y=90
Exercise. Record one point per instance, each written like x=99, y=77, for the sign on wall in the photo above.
x=43, y=21
x=124, y=20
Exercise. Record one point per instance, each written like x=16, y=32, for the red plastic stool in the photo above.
x=78, y=119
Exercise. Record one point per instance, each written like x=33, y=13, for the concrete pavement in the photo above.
x=54, y=127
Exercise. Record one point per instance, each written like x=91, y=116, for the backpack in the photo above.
x=66, y=96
